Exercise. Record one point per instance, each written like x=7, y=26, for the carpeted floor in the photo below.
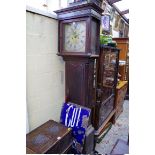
x=118, y=131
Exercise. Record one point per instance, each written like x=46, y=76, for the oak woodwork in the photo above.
x=121, y=90
x=49, y=138
x=123, y=45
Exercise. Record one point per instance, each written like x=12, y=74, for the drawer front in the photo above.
x=61, y=146
x=105, y=110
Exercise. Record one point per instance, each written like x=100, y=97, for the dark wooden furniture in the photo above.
x=49, y=138
x=106, y=86
x=80, y=81
x=79, y=28
x=121, y=90
x=91, y=72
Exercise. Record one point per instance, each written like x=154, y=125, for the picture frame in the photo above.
x=105, y=23
x=112, y=13
x=117, y=22
x=121, y=28
x=126, y=30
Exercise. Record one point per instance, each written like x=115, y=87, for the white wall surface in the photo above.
x=27, y=122
x=45, y=70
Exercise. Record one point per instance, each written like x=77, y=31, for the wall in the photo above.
x=45, y=70
x=27, y=122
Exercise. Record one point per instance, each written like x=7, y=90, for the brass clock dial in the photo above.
x=75, y=36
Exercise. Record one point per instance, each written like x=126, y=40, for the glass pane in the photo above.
x=109, y=70
x=109, y=73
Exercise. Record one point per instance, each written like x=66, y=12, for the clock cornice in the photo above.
x=83, y=10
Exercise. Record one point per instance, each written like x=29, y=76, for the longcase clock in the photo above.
x=79, y=28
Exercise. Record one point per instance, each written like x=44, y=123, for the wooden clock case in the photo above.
x=79, y=68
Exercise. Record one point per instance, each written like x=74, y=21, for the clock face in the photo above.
x=75, y=36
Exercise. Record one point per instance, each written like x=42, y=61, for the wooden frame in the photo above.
x=126, y=30
x=101, y=102
x=88, y=50
x=62, y=50
x=121, y=28
x=105, y=21
x=117, y=22
x=86, y=12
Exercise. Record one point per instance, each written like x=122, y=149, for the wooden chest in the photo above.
x=120, y=95
x=49, y=138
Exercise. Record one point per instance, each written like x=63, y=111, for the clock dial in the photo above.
x=75, y=36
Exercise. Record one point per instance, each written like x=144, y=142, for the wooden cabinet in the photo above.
x=123, y=45
x=121, y=90
x=106, y=85
x=49, y=138
x=91, y=71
